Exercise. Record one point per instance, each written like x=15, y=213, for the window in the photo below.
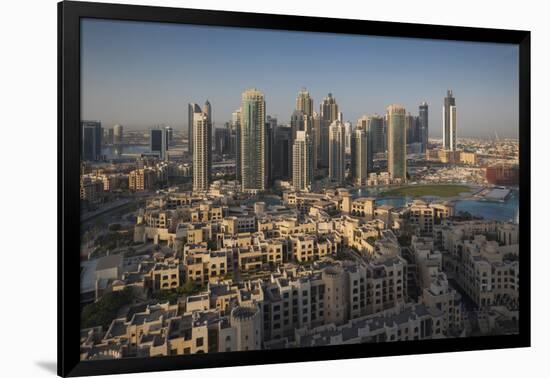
x=200, y=341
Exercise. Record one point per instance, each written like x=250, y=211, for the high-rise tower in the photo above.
x=329, y=113
x=359, y=156
x=118, y=135
x=366, y=123
x=304, y=102
x=192, y=108
x=423, y=121
x=449, y=122
x=302, y=161
x=397, y=142
x=337, y=162
x=253, y=141
x=158, y=142
x=202, y=151
x=92, y=135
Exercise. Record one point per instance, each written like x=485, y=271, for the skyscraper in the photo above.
x=207, y=109
x=377, y=133
x=222, y=140
x=449, y=122
x=110, y=136
x=397, y=142
x=270, y=128
x=169, y=134
x=337, y=162
x=347, y=137
x=92, y=135
x=202, y=151
x=299, y=121
x=236, y=138
x=192, y=108
x=423, y=124
x=158, y=142
x=359, y=155
x=302, y=158
x=304, y=102
x=316, y=128
x=253, y=141
x=329, y=113
x=282, y=151
x=410, y=124
x=118, y=135
x=365, y=123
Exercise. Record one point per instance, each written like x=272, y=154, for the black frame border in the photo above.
x=69, y=15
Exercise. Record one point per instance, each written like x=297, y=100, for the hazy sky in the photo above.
x=142, y=74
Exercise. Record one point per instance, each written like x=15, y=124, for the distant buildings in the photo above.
x=169, y=135
x=449, y=122
x=92, y=135
x=302, y=162
x=118, y=135
x=502, y=174
x=347, y=137
x=253, y=139
x=337, y=162
x=359, y=156
x=236, y=141
x=328, y=114
x=207, y=109
x=377, y=133
x=202, y=152
x=366, y=123
x=423, y=123
x=141, y=179
x=397, y=142
x=304, y=103
x=282, y=149
x=192, y=108
x=158, y=142
x=222, y=140
x=413, y=129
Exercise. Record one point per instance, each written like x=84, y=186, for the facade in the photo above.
x=92, y=136
x=336, y=153
x=202, y=152
x=397, y=142
x=302, y=162
x=253, y=140
x=449, y=122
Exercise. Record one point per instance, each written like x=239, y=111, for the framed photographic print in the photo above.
x=240, y=188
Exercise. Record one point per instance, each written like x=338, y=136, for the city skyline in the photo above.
x=117, y=76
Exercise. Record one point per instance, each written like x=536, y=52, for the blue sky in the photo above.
x=142, y=74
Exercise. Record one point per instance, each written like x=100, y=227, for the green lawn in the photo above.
x=427, y=190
